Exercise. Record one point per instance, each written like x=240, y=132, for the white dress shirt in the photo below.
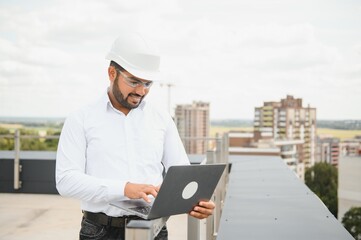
x=101, y=149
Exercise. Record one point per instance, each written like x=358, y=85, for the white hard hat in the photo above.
x=136, y=55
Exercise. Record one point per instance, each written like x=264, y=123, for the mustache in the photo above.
x=135, y=95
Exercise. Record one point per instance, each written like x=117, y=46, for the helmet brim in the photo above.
x=149, y=75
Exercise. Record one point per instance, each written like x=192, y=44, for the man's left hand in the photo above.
x=203, y=209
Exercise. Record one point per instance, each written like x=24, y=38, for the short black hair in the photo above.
x=117, y=66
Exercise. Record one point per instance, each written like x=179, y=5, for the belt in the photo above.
x=106, y=220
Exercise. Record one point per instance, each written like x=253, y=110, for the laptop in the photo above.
x=182, y=189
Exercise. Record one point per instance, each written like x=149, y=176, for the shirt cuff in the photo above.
x=116, y=190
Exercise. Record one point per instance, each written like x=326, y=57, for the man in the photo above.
x=117, y=147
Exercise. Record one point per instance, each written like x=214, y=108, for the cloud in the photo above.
x=234, y=54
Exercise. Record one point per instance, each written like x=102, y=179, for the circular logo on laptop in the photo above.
x=190, y=190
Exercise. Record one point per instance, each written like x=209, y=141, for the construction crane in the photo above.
x=169, y=86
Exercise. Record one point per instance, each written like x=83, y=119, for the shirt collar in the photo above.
x=108, y=104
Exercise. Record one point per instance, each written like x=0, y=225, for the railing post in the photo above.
x=200, y=230
x=195, y=225
x=144, y=229
x=220, y=156
x=211, y=220
x=17, y=166
x=218, y=200
x=225, y=157
x=194, y=228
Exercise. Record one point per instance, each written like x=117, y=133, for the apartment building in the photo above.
x=193, y=123
x=289, y=120
x=328, y=150
x=261, y=144
x=351, y=147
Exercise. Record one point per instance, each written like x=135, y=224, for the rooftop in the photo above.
x=50, y=216
x=264, y=199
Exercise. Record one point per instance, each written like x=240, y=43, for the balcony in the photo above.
x=268, y=118
x=290, y=160
x=282, y=131
x=288, y=152
x=267, y=108
x=267, y=124
x=267, y=113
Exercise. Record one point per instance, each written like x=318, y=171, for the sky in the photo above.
x=234, y=54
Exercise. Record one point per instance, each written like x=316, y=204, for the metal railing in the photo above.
x=17, y=166
x=216, y=151
x=17, y=147
x=205, y=229
x=144, y=229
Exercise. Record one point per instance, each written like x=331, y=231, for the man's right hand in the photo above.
x=136, y=191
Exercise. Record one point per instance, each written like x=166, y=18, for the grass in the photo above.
x=10, y=125
x=337, y=133
x=223, y=129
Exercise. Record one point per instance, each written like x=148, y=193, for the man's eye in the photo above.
x=134, y=83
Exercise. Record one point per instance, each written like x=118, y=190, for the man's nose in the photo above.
x=140, y=90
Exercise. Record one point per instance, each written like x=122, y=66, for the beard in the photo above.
x=120, y=97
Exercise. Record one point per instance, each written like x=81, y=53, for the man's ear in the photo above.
x=112, y=73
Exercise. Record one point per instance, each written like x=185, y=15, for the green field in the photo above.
x=337, y=133
x=221, y=129
x=342, y=134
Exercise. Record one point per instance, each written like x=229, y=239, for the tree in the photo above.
x=322, y=180
x=52, y=144
x=6, y=143
x=352, y=222
x=33, y=144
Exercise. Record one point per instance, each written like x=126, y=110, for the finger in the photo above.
x=198, y=215
x=153, y=192
x=150, y=189
x=209, y=205
x=201, y=210
x=145, y=197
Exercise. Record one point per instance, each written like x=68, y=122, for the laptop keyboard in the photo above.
x=143, y=210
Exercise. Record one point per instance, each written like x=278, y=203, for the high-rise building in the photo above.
x=289, y=120
x=192, y=121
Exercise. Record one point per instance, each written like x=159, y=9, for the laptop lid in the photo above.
x=182, y=188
